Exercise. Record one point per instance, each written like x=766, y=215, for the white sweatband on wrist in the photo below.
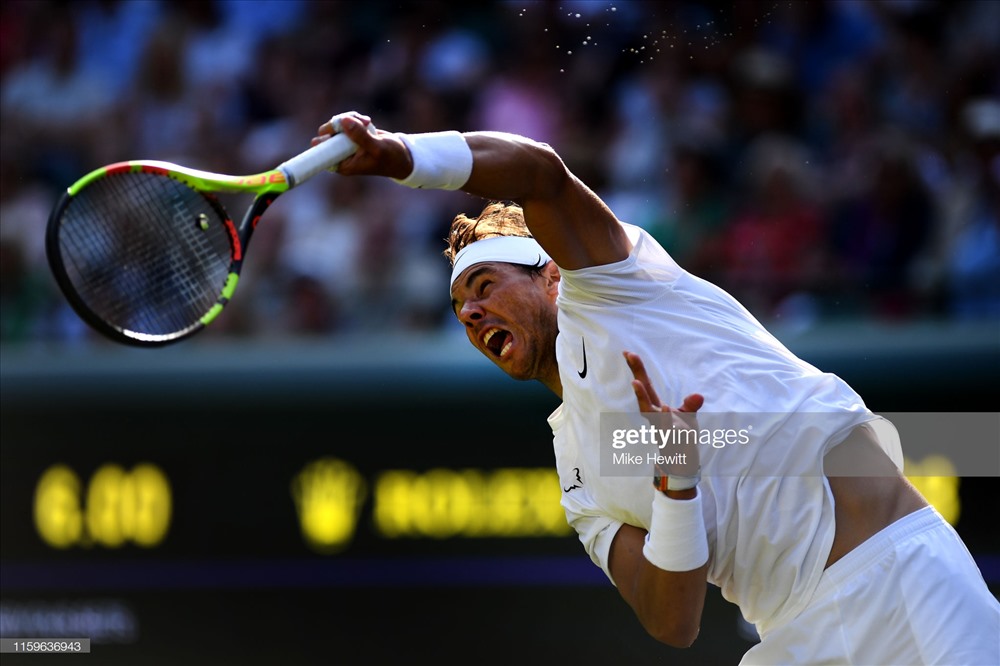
x=677, y=540
x=441, y=160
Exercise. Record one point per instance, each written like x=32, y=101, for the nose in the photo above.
x=470, y=313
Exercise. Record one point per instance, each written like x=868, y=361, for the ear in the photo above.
x=552, y=276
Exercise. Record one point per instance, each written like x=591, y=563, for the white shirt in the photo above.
x=767, y=507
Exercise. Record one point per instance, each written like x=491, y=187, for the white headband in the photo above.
x=509, y=249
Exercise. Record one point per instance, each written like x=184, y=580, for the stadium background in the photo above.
x=329, y=474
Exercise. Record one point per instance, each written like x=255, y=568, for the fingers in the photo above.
x=693, y=403
x=648, y=399
x=635, y=364
x=351, y=123
x=356, y=127
x=337, y=123
x=642, y=397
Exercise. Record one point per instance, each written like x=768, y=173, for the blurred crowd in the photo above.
x=821, y=160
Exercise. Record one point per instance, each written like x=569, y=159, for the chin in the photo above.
x=513, y=373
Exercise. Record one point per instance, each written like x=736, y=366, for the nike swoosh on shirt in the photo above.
x=583, y=373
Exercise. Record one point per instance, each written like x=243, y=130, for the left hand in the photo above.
x=379, y=153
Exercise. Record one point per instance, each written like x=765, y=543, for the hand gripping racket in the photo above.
x=146, y=253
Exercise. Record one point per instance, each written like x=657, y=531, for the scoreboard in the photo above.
x=313, y=504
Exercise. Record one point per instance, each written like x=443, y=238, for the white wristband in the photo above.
x=676, y=540
x=441, y=160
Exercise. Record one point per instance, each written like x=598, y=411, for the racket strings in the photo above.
x=145, y=253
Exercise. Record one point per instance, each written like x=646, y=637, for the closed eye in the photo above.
x=478, y=273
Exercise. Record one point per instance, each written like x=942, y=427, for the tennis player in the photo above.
x=830, y=566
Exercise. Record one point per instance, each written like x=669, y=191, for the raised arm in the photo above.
x=564, y=215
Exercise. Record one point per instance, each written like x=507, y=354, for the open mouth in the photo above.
x=498, y=341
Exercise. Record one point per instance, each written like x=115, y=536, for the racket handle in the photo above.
x=322, y=156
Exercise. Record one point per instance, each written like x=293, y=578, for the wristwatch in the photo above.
x=665, y=483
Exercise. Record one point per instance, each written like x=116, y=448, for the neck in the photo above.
x=552, y=382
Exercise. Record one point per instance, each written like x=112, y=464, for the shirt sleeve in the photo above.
x=596, y=533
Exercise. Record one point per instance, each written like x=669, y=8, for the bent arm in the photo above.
x=564, y=215
x=669, y=604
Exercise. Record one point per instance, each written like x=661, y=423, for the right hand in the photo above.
x=681, y=419
x=379, y=154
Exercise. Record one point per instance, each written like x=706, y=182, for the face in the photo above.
x=510, y=316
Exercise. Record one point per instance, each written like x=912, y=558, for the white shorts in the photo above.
x=911, y=594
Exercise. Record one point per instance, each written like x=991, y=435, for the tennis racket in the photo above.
x=145, y=251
